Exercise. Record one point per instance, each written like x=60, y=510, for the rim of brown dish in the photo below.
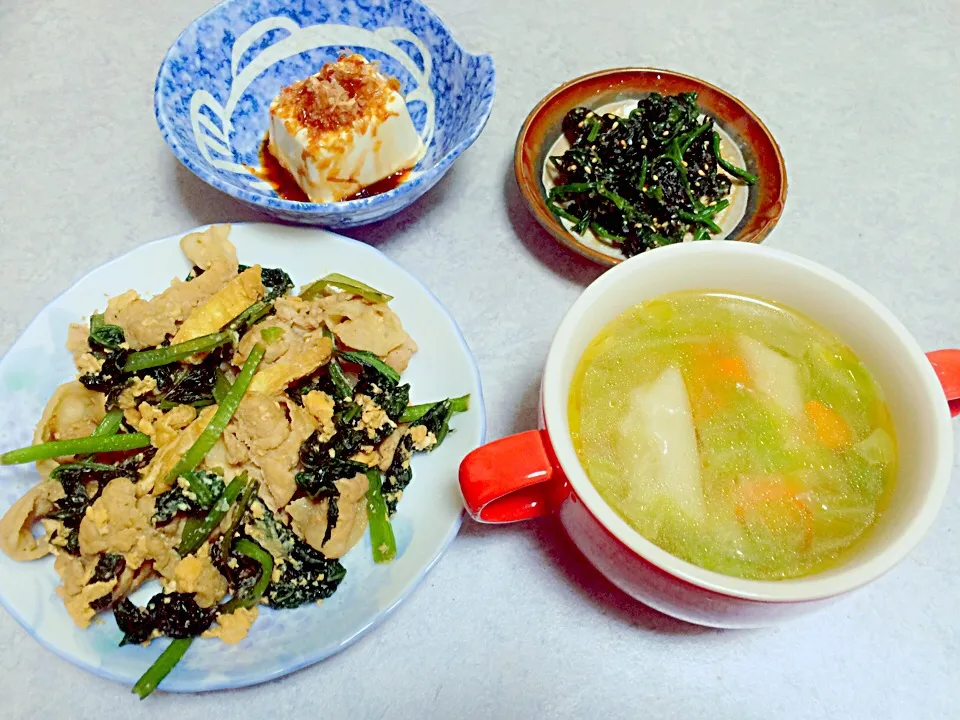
x=542, y=127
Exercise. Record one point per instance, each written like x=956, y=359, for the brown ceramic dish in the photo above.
x=764, y=201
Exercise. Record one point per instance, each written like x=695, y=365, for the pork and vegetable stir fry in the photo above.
x=228, y=438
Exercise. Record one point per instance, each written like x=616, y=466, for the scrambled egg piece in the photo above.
x=197, y=574
x=139, y=387
x=234, y=627
x=147, y=323
x=321, y=406
x=372, y=416
x=228, y=302
x=422, y=438
x=77, y=340
x=119, y=522
x=76, y=594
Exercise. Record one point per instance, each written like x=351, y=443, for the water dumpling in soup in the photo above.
x=734, y=433
x=657, y=445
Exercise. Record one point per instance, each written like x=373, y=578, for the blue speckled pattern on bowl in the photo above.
x=216, y=83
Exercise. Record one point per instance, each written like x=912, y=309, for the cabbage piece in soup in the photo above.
x=734, y=433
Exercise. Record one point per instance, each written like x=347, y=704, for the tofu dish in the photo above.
x=342, y=131
x=227, y=438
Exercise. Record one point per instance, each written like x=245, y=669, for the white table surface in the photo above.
x=512, y=622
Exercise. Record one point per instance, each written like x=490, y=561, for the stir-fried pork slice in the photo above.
x=268, y=431
x=16, y=538
x=309, y=518
x=149, y=322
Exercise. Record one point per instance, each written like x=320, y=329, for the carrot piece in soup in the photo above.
x=832, y=429
x=732, y=367
x=768, y=500
x=716, y=375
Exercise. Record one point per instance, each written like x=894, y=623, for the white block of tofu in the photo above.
x=340, y=163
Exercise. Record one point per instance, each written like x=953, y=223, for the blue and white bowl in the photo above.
x=216, y=83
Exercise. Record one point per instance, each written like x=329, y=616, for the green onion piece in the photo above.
x=201, y=403
x=415, y=412
x=351, y=413
x=218, y=422
x=161, y=667
x=381, y=532
x=221, y=387
x=368, y=359
x=145, y=359
x=701, y=233
x=336, y=280
x=109, y=425
x=242, y=505
x=251, y=315
x=195, y=534
x=271, y=334
x=78, y=446
x=747, y=177
x=58, y=471
x=339, y=379
x=265, y=560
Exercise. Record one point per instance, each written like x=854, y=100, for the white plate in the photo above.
x=281, y=641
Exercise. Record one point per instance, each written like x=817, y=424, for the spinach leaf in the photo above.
x=175, y=615
x=103, y=336
x=178, y=500
x=304, y=574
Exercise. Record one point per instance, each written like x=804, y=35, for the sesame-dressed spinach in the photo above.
x=650, y=179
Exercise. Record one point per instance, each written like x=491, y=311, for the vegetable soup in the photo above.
x=734, y=433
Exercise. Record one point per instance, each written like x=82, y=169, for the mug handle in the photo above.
x=509, y=479
x=946, y=363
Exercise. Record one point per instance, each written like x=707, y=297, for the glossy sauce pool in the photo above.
x=286, y=187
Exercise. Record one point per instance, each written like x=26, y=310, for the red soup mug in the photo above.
x=537, y=472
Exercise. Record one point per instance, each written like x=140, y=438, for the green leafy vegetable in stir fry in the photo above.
x=653, y=178
x=227, y=439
